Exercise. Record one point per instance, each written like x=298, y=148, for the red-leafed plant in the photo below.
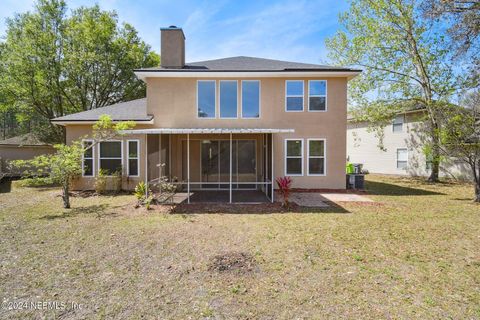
x=284, y=184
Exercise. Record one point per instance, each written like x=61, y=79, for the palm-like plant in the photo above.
x=284, y=184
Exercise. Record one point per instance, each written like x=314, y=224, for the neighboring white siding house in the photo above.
x=403, y=154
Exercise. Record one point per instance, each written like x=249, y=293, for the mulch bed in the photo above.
x=233, y=208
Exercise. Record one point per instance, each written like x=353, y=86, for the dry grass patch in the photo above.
x=412, y=255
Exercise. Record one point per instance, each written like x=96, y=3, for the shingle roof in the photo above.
x=135, y=110
x=243, y=63
x=28, y=139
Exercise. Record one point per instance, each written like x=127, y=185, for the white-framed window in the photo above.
x=133, y=158
x=317, y=95
x=250, y=99
x=397, y=125
x=294, y=95
x=402, y=158
x=87, y=158
x=228, y=99
x=206, y=99
x=294, y=157
x=110, y=156
x=316, y=161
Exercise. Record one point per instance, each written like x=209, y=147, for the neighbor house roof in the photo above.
x=28, y=139
x=134, y=110
x=243, y=63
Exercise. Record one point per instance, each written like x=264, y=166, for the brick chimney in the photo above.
x=172, y=47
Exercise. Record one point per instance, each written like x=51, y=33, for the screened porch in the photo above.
x=210, y=165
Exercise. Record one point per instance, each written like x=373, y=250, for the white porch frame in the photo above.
x=229, y=131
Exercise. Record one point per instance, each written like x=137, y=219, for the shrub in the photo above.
x=117, y=181
x=36, y=182
x=101, y=182
x=284, y=184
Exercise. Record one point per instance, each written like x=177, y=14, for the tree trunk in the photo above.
x=65, y=195
x=434, y=174
x=477, y=183
x=477, y=191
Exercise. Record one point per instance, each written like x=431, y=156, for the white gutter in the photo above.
x=205, y=130
x=245, y=74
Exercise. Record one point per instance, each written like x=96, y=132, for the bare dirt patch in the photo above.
x=235, y=262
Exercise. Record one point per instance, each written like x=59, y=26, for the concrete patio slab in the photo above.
x=308, y=199
x=345, y=197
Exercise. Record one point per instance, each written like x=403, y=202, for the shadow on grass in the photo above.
x=98, y=209
x=5, y=186
x=388, y=189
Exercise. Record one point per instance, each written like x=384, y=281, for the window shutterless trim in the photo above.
x=136, y=158
x=319, y=96
x=396, y=156
x=220, y=99
x=402, y=123
x=324, y=157
x=121, y=154
x=293, y=157
x=295, y=96
x=92, y=158
x=215, y=95
x=259, y=99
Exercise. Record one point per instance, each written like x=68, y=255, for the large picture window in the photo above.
x=294, y=95
x=228, y=99
x=317, y=95
x=402, y=158
x=250, y=99
x=294, y=157
x=133, y=158
x=87, y=158
x=206, y=98
x=110, y=157
x=316, y=157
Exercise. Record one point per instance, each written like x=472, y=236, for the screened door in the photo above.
x=215, y=164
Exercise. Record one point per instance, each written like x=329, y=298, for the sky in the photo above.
x=293, y=30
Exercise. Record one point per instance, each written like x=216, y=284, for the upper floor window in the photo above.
x=398, y=123
x=228, y=99
x=250, y=99
x=317, y=95
x=110, y=157
x=294, y=95
x=206, y=98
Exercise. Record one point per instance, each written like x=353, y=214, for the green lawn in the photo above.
x=415, y=253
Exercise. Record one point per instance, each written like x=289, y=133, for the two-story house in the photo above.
x=403, y=148
x=228, y=124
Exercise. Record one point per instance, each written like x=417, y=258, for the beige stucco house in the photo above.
x=403, y=148
x=229, y=124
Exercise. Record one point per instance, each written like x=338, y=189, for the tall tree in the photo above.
x=463, y=20
x=405, y=61
x=55, y=63
x=461, y=134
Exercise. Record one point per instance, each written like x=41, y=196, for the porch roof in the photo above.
x=207, y=130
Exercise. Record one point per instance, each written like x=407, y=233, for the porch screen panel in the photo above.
x=247, y=163
x=210, y=163
x=165, y=155
x=153, y=157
